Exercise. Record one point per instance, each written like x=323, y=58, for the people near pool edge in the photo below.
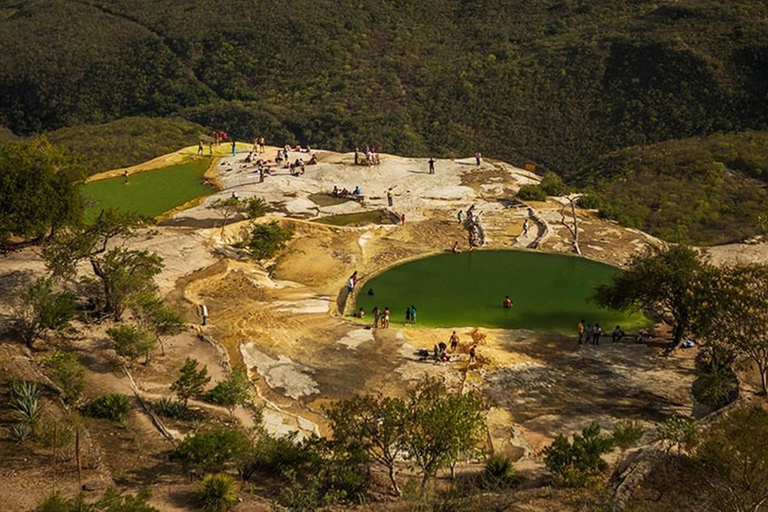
x=590, y=334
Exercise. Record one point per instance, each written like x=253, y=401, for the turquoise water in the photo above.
x=549, y=291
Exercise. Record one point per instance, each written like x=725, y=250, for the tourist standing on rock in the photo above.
x=390, y=195
x=454, y=339
x=357, y=156
x=473, y=353
x=234, y=147
x=580, y=329
x=460, y=216
x=525, y=227
x=210, y=149
x=402, y=220
x=200, y=148
x=596, y=333
x=204, y=314
x=376, y=314
x=385, y=318
x=408, y=314
x=413, y=314
x=431, y=165
x=478, y=158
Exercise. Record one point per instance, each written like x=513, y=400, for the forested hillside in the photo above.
x=556, y=82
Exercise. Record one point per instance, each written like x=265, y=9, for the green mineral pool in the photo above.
x=549, y=291
x=150, y=193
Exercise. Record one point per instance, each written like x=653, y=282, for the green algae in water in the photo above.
x=150, y=193
x=467, y=290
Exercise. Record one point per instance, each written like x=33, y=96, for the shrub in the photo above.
x=26, y=401
x=212, y=451
x=590, y=201
x=626, y=434
x=217, y=493
x=65, y=370
x=678, y=431
x=232, y=391
x=577, y=463
x=275, y=455
x=498, y=470
x=39, y=309
x=552, y=185
x=267, y=239
x=171, y=408
x=131, y=342
x=716, y=389
x=112, y=501
x=112, y=406
x=532, y=193
x=255, y=207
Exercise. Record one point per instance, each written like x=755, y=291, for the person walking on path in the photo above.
x=525, y=227
x=431, y=165
x=204, y=314
x=478, y=157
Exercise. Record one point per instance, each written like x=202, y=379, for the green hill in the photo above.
x=556, y=82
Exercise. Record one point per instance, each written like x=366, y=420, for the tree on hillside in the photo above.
x=374, y=425
x=267, y=239
x=131, y=342
x=662, y=278
x=123, y=273
x=734, y=313
x=441, y=426
x=191, y=382
x=253, y=208
x=156, y=316
x=39, y=309
x=40, y=190
x=233, y=391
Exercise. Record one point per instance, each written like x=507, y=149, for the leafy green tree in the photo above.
x=233, y=391
x=441, y=426
x=191, y=382
x=266, y=240
x=575, y=463
x=124, y=273
x=131, y=342
x=156, y=316
x=374, y=425
x=65, y=369
x=255, y=207
x=41, y=190
x=227, y=207
x=734, y=313
x=39, y=309
x=662, y=278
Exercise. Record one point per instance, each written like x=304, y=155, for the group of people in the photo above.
x=371, y=156
x=356, y=194
x=380, y=317
x=590, y=334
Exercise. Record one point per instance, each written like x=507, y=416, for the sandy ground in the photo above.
x=287, y=321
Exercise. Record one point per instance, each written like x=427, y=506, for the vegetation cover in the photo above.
x=559, y=83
